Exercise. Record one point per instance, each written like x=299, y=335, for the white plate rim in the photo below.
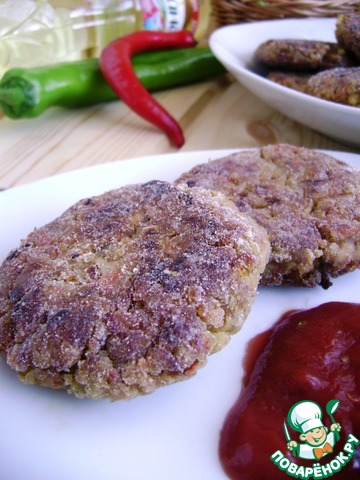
x=40, y=423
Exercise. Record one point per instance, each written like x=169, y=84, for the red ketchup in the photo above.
x=309, y=355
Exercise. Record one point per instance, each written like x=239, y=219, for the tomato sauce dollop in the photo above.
x=308, y=355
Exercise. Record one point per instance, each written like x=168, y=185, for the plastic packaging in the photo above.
x=41, y=32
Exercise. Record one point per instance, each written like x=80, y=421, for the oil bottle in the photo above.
x=41, y=32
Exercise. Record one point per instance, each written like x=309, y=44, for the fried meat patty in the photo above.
x=294, y=80
x=340, y=85
x=129, y=290
x=297, y=54
x=307, y=201
x=348, y=33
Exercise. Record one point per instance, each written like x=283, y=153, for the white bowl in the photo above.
x=235, y=45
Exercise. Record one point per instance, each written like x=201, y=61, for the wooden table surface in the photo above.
x=214, y=114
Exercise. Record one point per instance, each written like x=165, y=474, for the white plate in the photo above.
x=235, y=45
x=170, y=434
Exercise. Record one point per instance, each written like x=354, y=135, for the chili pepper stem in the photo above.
x=9, y=95
x=12, y=101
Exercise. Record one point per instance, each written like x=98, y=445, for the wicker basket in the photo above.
x=227, y=12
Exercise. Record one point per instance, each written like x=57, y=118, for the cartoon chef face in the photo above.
x=305, y=417
x=314, y=437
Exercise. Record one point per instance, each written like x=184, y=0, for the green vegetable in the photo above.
x=26, y=93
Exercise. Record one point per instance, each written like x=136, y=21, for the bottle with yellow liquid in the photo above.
x=41, y=32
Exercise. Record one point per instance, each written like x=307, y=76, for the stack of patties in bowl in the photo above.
x=134, y=289
x=327, y=70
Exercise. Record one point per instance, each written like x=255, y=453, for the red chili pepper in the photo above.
x=115, y=64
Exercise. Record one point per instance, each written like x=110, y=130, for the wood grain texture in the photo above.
x=214, y=114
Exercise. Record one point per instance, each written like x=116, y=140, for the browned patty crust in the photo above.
x=294, y=80
x=348, y=33
x=296, y=54
x=307, y=201
x=340, y=85
x=129, y=290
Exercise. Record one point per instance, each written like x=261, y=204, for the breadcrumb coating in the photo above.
x=130, y=290
x=294, y=80
x=306, y=200
x=340, y=85
x=348, y=33
x=298, y=54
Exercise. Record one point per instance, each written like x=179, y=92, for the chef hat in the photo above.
x=304, y=416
